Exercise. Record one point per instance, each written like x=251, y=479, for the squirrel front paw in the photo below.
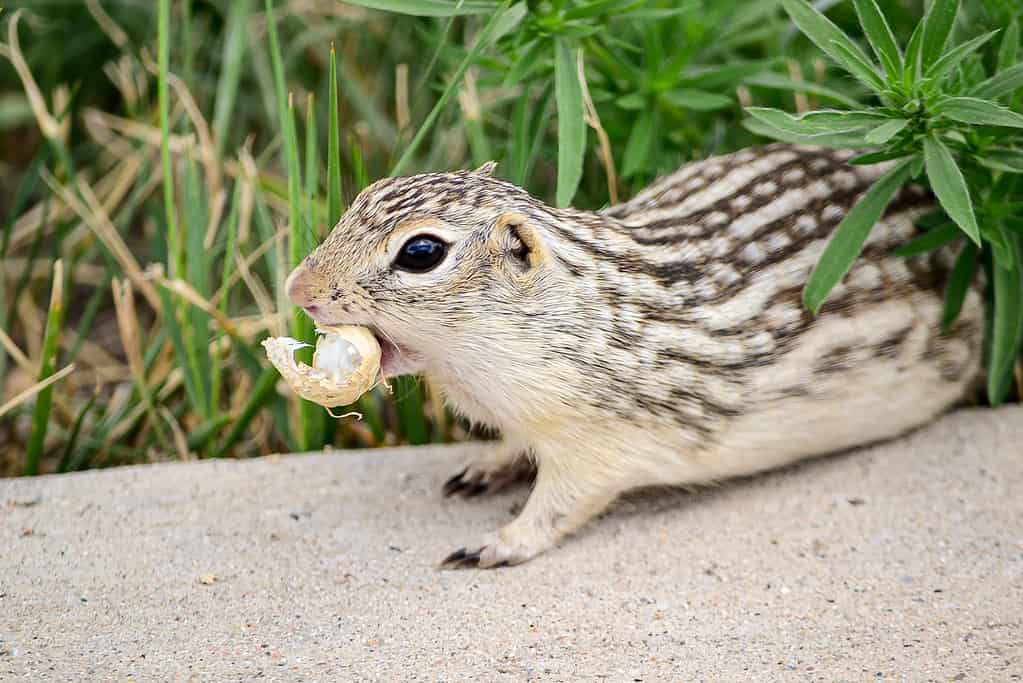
x=490, y=552
x=490, y=473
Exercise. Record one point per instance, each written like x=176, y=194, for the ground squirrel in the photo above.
x=662, y=341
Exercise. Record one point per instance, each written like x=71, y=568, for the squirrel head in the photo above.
x=451, y=271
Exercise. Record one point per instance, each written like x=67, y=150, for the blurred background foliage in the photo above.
x=131, y=306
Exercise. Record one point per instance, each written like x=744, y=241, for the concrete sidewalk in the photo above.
x=899, y=562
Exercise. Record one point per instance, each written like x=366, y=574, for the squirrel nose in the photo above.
x=297, y=287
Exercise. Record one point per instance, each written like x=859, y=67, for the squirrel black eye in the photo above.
x=421, y=254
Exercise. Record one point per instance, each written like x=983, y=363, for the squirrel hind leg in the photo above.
x=496, y=469
x=557, y=506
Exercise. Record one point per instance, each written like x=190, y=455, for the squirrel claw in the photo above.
x=486, y=477
x=476, y=559
x=465, y=484
x=461, y=559
x=491, y=552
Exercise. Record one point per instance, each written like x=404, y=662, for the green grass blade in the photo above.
x=227, y=270
x=359, y=171
x=76, y=430
x=335, y=195
x=486, y=35
x=430, y=8
x=571, y=123
x=850, y=235
x=409, y=401
x=977, y=112
x=949, y=186
x=937, y=26
x=1007, y=324
x=262, y=394
x=280, y=89
x=881, y=38
x=311, y=416
x=479, y=145
x=47, y=366
x=181, y=353
x=176, y=263
x=514, y=166
x=230, y=75
x=312, y=151
x=958, y=284
x=197, y=272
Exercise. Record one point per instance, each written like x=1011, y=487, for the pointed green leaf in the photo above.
x=886, y=131
x=698, y=100
x=949, y=186
x=640, y=144
x=911, y=70
x=571, y=124
x=994, y=233
x=837, y=140
x=717, y=77
x=930, y=240
x=953, y=57
x=1008, y=51
x=833, y=41
x=821, y=122
x=1002, y=83
x=525, y=62
x=1007, y=324
x=977, y=112
x=1002, y=159
x=937, y=25
x=881, y=38
x=849, y=237
x=958, y=283
x=859, y=67
x=635, y=101
x=771, y=80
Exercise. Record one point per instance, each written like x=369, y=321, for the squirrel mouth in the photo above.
x=395, y=360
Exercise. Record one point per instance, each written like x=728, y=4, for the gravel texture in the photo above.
x=903, y=561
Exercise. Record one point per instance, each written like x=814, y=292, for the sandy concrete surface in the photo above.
x=899, y=562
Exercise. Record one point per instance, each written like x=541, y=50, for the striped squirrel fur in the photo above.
x=661, y=341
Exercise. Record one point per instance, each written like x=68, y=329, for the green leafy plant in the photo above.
x=940, y=114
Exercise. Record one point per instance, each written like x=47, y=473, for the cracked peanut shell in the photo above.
x=345, y=365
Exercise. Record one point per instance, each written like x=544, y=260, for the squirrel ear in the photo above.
x=526, y=246
x=486, y=169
